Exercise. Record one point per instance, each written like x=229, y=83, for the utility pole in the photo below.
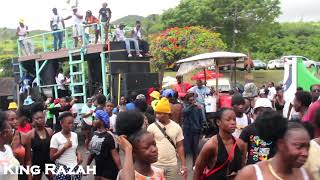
x=234, y=29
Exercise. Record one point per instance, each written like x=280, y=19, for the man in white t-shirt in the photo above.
x=242, y=120
x=57, y=24
x=120, y=36
x=137, y=34
x=77, y=28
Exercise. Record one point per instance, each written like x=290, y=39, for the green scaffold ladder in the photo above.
x=77, y=74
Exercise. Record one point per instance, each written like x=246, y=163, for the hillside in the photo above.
x=10, y=34
x=129, y=20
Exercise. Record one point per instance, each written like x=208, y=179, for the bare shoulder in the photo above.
x=50, y=131
x=248, y=172
x=211, y=144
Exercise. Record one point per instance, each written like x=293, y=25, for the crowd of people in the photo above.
x=248, y=137
x=85, y=25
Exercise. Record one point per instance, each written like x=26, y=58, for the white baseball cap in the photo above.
x=263, y=102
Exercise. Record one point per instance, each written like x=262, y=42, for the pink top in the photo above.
x=310, y=116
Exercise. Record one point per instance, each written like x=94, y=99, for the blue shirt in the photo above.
x=201, y=93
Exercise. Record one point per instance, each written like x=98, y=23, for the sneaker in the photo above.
x=129, y=55
x=140, y=55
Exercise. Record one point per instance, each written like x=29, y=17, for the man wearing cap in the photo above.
x=76, y=27
x=25, y=44
x=257, y=148
x=56, y=24
x=120, y=36
x=169, y=140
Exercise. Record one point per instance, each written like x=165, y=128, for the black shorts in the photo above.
x=105, y=171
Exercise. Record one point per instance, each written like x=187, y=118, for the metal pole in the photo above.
x=38, y=73
x=44, y=43
x=235, y=72
x=83, y=79
x=119, y=86
x=103, y=71
x=55, y=91
x=66, y=38
x=217, y=81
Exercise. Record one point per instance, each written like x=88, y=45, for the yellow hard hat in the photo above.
x=21, y=20
x=13, y=105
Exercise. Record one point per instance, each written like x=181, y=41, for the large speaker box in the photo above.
x=129, y=82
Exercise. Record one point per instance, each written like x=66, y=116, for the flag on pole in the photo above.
x=296, y=75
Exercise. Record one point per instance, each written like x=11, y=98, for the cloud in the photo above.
x=37, y=13
x=300, y=10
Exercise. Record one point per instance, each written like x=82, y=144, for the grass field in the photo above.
x=259, y=76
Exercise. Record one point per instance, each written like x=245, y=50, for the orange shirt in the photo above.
x=92, y=20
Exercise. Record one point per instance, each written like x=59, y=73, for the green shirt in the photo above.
x=49, y=115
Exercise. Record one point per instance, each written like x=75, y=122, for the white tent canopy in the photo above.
x=208, y=59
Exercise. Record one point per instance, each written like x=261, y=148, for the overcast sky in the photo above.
x=37, y=13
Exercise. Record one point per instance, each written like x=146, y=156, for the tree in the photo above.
x=241, y=23
x=177, y=43
x=290, y=39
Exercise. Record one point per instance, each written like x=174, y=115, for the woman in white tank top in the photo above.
x=292, y=141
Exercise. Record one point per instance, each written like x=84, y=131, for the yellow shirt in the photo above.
x=166, y=152
x=313, y=161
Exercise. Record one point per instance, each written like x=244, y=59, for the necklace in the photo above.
x=273, y=172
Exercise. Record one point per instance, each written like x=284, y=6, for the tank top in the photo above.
x=260, y=176
x=19, y=151
x=222, y=156
x=278, y=106
x=22, y=32
x=40, y=149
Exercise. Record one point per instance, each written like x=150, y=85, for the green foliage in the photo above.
x=152, y=24
x=177, y=43
x=290, y=39
x=241, y=22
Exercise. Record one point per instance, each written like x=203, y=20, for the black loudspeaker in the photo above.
x=120, y=63
x=129, y=82
x=119, y=67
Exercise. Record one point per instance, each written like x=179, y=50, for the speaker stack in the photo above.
x=129, y=74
